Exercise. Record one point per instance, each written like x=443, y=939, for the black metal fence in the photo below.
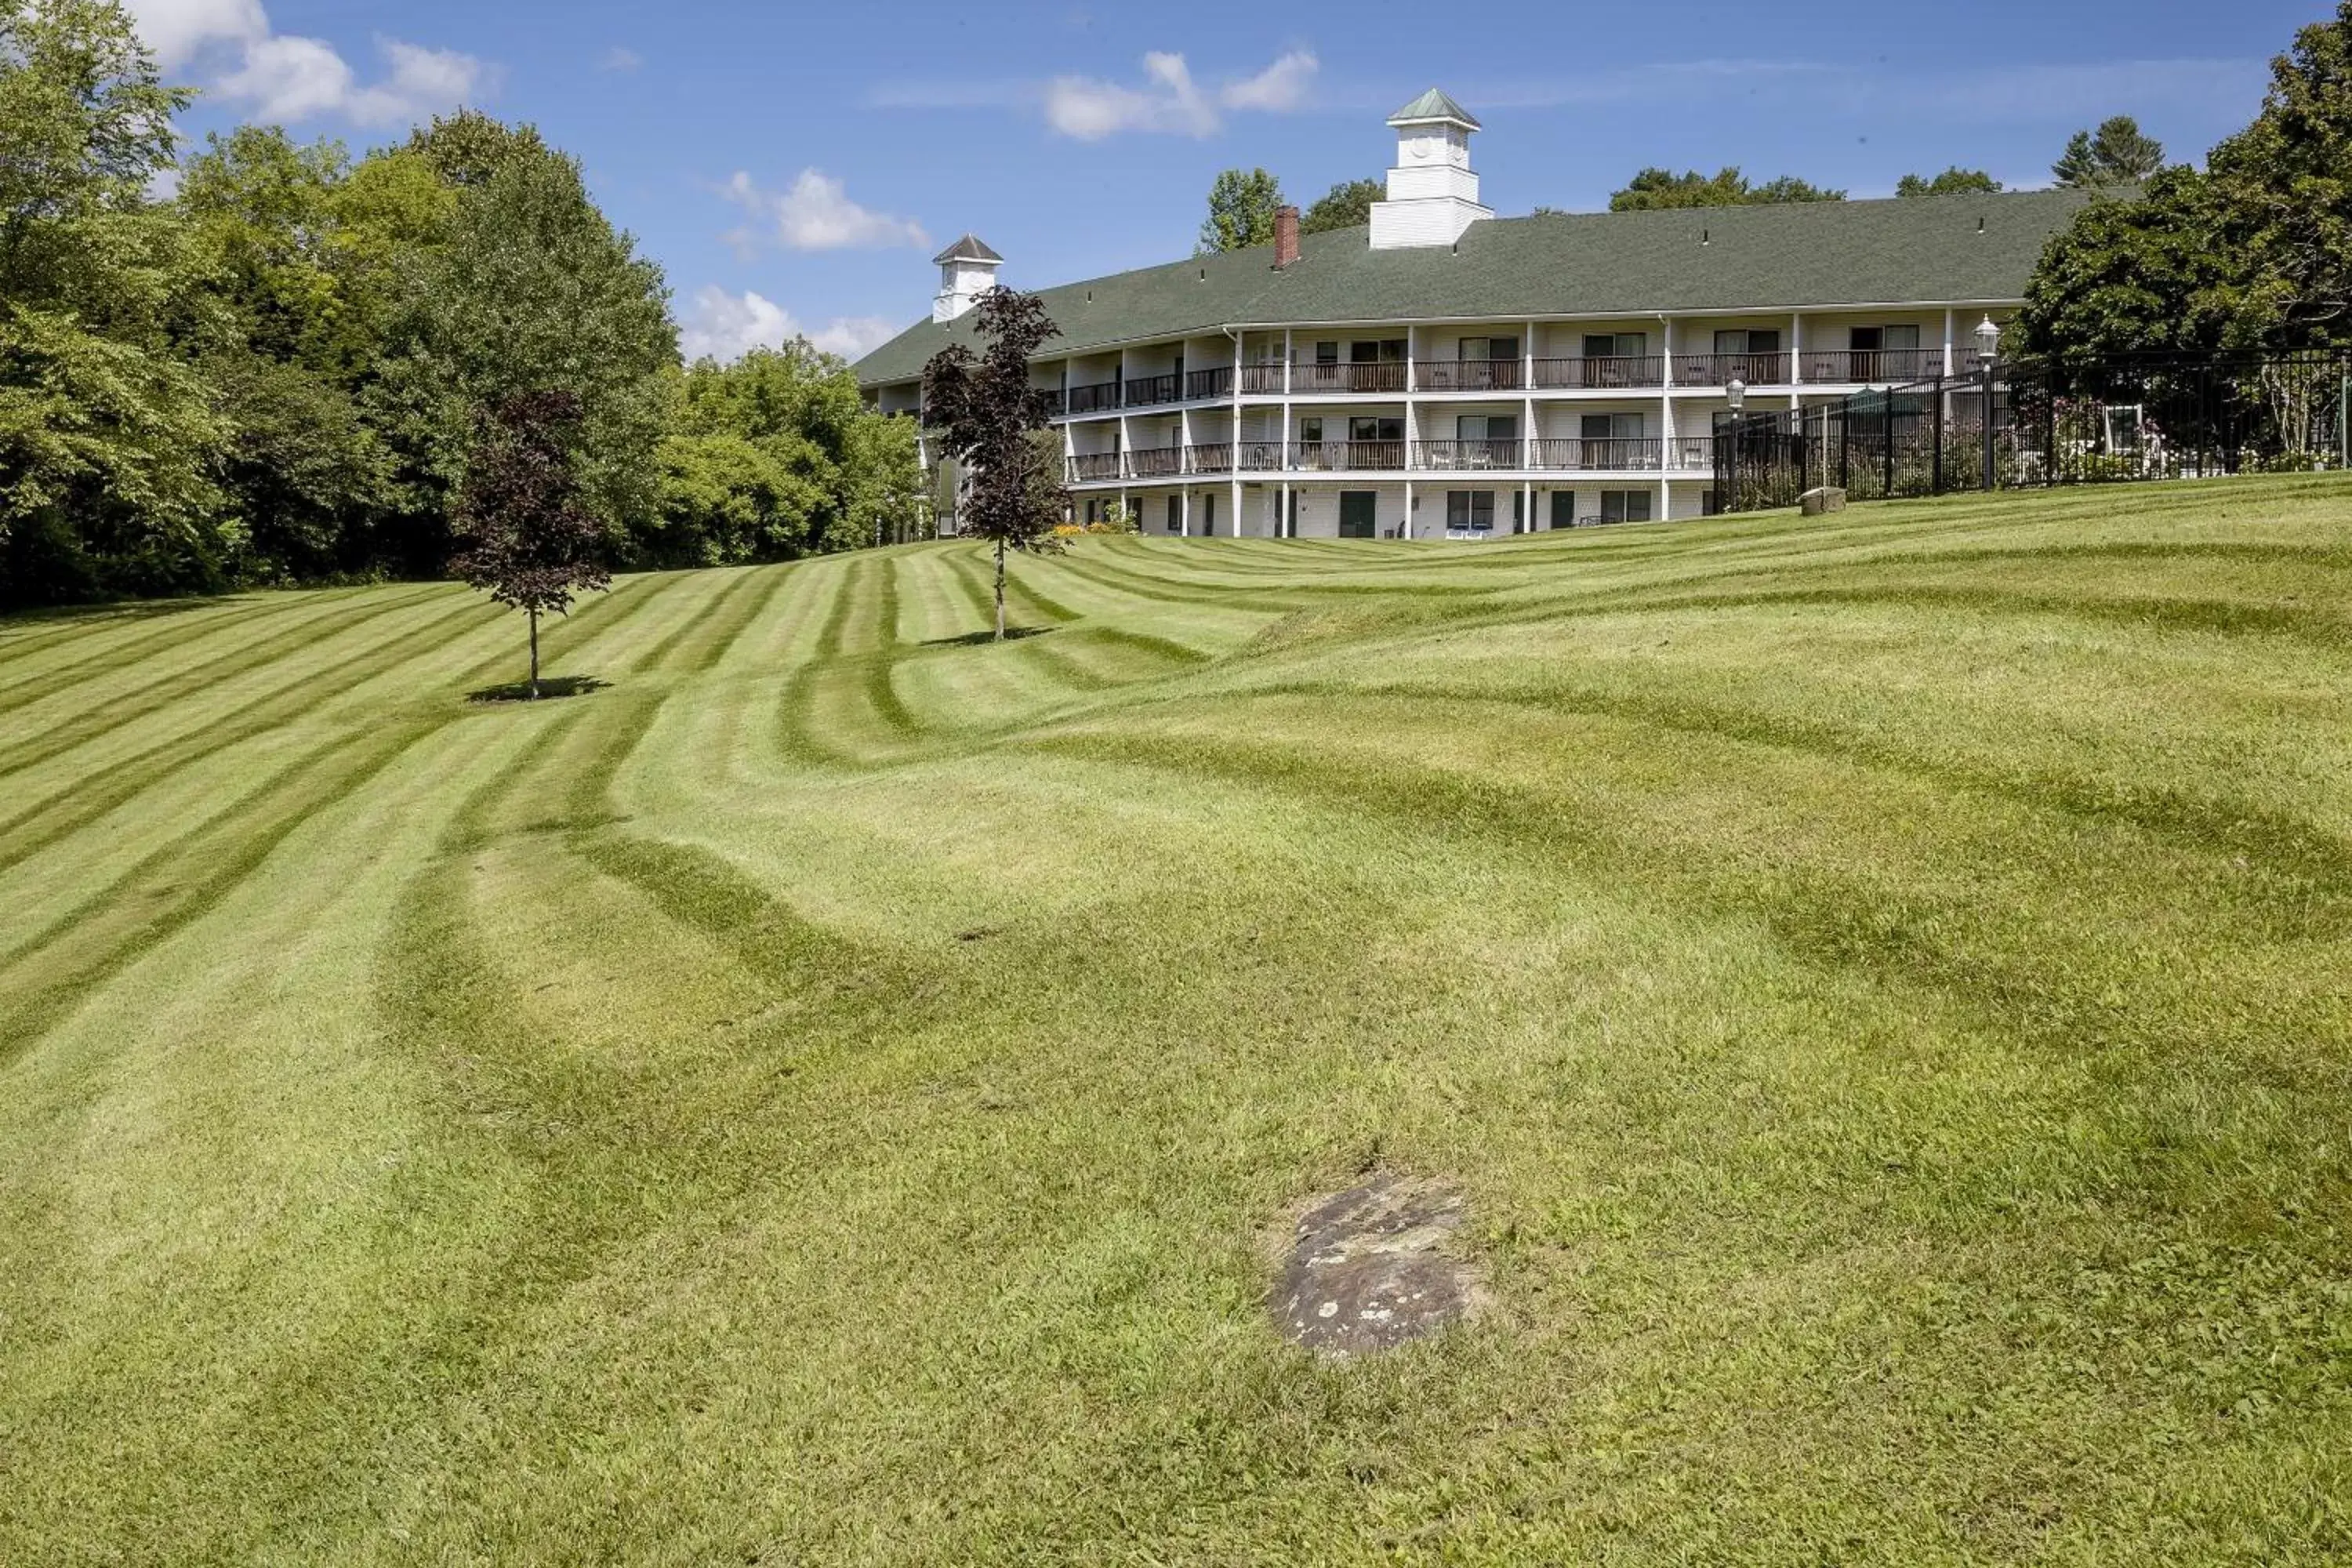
x=2036, y=423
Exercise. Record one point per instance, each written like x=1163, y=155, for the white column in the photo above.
x=1282, y=518
x=1796, y=349
x=1287, y=352
x=1947, y=342
x=1406, y=531
x=1234, y=470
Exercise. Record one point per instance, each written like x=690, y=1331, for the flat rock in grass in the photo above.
x=1370, y=1267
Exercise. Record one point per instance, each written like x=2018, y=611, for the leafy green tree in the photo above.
x=1242, y=205
x=1655, y=189
x=1347, y=204
x=525, y=535
x=1953, y=182
x=2116, y=153
x=989, y=419
x=532, y=289
x=107, y=437
x=2254, y=252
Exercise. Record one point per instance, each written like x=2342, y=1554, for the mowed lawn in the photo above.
x=1883, y=984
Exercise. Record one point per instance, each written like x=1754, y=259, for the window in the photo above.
x=1327, y=353
x=1518, y=512
x=1209, y=514
x=1625, y=506
x=1371, y=427
x=1749, y=340
x=1175, y=514
x=1563, y=509
x=1487, y=427
x=1873, y=347
x=1616, y=345
x=1310, y=431
x=1470, y=509
x=1383, y=351
x=1488, y=348
x=1610, y=427
x=1356, y=513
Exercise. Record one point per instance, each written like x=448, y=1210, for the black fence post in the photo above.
x=1936, y=421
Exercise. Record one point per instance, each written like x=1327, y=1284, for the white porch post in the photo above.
x=1286, y=351
x=1282, y=518
x=1947, y=342
x=1796, y=349
x=1235, y=467
x=1406, y=530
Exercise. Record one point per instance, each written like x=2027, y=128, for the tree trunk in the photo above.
x=1000, y=589
x=534, y=656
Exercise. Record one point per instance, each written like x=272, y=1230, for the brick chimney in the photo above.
x=1285, y=236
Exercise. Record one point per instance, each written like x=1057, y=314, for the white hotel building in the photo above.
x=1444, y=371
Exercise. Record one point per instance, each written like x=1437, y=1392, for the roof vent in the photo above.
x=1979, y=225
x=1205, y=274
x=1704, y=237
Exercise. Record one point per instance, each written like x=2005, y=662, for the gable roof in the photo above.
x=1433, y=105
x=1802, y=255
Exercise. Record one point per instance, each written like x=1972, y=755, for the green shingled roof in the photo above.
x=1433, y=105
x=1802, y=255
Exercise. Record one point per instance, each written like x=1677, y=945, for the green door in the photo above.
x=1356, y=514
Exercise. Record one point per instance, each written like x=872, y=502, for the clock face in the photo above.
x=1419, y=151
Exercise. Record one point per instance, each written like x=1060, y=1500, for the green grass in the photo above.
x=823, y=1096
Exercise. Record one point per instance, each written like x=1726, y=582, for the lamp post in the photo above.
x=1988, y=337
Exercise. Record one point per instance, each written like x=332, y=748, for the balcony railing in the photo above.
x=1603, y=372
x=1094, y=397
x=1153, y=462
x=1615, y=454
x=1262, y=378
x=1348, y=456
x=1468, y=375
x=1685, y=452
x=1098, y=465
x=1307, y=376
x=1216, y=383
x=1721, y=370
x=1143, y=391
x=1209, y=457
x=1465, y=457
x=1872, y=365
x=1262, y=457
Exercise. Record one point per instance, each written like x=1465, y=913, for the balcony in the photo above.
x=1153, y=463
x=1098, y=465
x=1468, y=375
x=1094, y=397
x=1602, y=373
x=1873, y=366
x=1721, y=370
x=1685, y=453
x=1349, y=456
x=1200, y=384
x=1143, y=391
x=1612, y=454
x=1309, y=378
x=1467, y=457
x=1262, y=378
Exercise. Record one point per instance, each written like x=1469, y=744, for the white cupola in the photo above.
x=1433, y=192
x=967, y=270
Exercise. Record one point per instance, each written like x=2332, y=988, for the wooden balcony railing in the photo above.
x=1602, y=372
x=1721, y=370
x=1691, y=452
x=1614, y=454
x=1873, y=366
x=1209, y=457
x=1262, y=457
x=1094, y=397
x=1098, y=465
x=1466, y=457
x=1262, y=378
x=1143, y=391
x=1216, y=383
x=1307, y=377
x=1154, y=462
x=1468, y=375
x=1348, y=456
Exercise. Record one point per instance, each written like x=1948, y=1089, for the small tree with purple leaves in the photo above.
x=988, y=417
x=524, y=536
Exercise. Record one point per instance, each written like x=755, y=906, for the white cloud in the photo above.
x=1278, y=90
x=1171, y=102
x=618, y=58
x=816, y=214
x=287, y=78
x=727, y=326
x=178, y=30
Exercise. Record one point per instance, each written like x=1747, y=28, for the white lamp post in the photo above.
x=1738, y=392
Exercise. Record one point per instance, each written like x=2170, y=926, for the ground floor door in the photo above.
x=1356, y=517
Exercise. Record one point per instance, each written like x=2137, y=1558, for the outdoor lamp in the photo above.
x=1988, y=338
x=1738, y=392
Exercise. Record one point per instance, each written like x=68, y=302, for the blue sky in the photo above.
x=795, y=166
